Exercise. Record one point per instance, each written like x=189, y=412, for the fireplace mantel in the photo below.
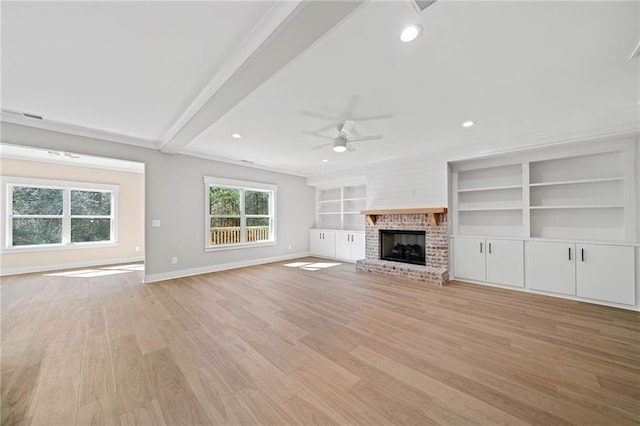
x=433, y=213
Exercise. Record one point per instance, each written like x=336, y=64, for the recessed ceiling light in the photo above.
x=468, y=123
x=410, y=33
x=325, y=160
x=236, y=135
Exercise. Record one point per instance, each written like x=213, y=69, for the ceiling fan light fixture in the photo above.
x=410, y=33
x=339, y=148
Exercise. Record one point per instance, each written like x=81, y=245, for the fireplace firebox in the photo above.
x=403, y=246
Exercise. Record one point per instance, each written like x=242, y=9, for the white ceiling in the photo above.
x=524, y=71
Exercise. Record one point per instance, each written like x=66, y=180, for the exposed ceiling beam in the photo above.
x=251, y=66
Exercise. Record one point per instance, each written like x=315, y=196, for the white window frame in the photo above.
x=243, y=186
x=6, y=231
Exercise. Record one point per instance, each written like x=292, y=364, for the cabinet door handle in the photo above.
x=569, y=253
x=582, y=254
x=480, y=247
x=489, y=248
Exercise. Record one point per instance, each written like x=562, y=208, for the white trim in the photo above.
x=220, y=267
x=234, y=183
x=44, y=268
x=72, y=129
x=224, y=247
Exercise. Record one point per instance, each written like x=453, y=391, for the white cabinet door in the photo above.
x=606, y=273
x=551, y=267
x=358, y=250
x=343, y=245
x=469, y=258
x=505, y=262
x=328, y=243
x=315, y=242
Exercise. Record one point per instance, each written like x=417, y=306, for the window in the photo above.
x=45, y=214
x=238, y=213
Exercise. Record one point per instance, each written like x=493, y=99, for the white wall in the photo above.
x=130, y=217
x=174, y=194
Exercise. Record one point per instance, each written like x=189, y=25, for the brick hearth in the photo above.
x=436, y=248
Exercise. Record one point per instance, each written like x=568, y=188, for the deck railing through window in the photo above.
x=231, y=234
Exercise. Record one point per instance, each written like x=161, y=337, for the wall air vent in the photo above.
x=420, y=5
x=28, y=115
x=248, y=161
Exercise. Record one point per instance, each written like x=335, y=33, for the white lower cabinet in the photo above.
x=594, y=271
x=606, y=273
x=322, y=242
x=469, y=258
x=350, y=245
x=551, y=267
x=343, y=245
x=491, y=260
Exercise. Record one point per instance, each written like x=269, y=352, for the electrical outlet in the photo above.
x=174, y=260
x=156, y=223
x=138, y=249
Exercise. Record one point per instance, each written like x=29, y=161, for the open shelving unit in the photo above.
x=339, y=207
x=489, y=201
x=576, y=197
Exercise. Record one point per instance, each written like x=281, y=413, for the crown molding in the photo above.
x=238, y=163
x=76, y=130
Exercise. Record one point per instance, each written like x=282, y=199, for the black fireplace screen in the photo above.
x=403, y=246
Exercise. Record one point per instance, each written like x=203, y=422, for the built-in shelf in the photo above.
x=490, y=188
x=603, y=206
x=338, y=207
x=486, y=209
x=576, y=182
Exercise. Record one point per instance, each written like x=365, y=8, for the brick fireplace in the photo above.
x=433, y=222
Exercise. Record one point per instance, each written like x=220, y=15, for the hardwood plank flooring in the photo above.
x=278, y=345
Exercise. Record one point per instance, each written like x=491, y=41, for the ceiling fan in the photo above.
x=341, y=142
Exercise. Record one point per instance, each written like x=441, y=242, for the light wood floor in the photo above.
x=279, y=345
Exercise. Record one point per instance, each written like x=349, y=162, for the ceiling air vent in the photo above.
x=21, y=114
x=420, y=5
x=248, y=161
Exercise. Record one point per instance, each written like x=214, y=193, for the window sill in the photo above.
x=224, y=247
x=56, y=247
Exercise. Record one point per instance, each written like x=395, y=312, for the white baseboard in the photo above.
x=44, y=268
x=221, y=267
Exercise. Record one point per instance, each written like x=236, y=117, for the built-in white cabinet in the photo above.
x=322, y=242
x=469, y=258
x=350, y=245
x=496, y=261
x=594, y=271
x=551, y=267
x=569, y=212
x=606, y=273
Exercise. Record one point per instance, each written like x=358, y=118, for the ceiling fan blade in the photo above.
x=350, y=148
x=373, y=117
x=327, y=127
x=365, y=138
x=322, y=146
x=347, y=126
x=319, y=115
x=318, y=135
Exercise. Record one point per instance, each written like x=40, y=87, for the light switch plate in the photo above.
x=156, y=223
